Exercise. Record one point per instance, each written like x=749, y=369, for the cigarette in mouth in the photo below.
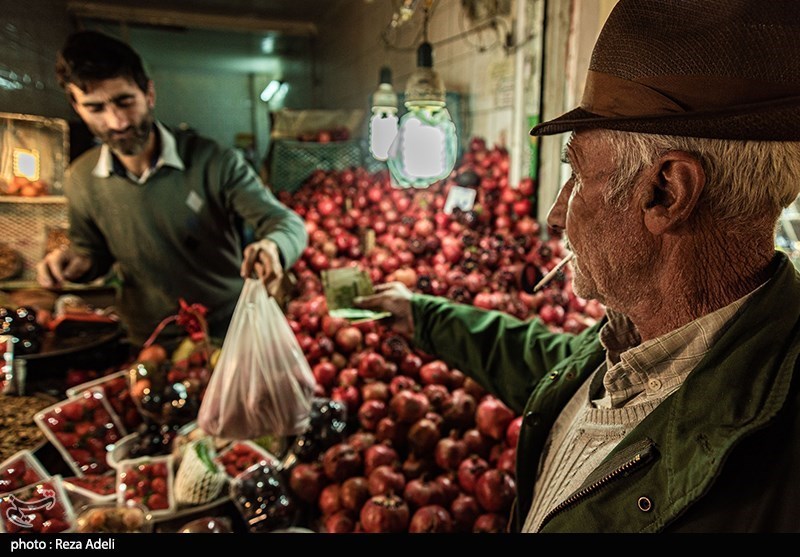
x=549, y=276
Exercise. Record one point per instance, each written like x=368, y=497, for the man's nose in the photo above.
x=557, y=217
x=117, y=119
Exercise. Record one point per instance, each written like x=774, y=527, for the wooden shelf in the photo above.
x=37, y=199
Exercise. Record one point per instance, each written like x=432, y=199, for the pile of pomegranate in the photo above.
x=427, y=449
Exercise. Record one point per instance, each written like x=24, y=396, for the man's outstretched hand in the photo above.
x=394, y=297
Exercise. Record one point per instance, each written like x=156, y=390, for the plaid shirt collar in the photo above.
x=652, y=370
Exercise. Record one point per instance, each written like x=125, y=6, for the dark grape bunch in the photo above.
x=263, y=499
x=326, y=428
x=21, y=324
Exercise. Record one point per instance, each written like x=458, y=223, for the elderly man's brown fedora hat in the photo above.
x=727, y=69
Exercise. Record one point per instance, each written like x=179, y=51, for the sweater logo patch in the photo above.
x=194, y=202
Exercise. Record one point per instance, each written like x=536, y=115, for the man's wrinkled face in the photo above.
x=117, y=111
x=613, y=255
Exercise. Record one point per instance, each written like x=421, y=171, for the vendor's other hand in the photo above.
x=61, y=265
x=263, y=260
x=394, y=297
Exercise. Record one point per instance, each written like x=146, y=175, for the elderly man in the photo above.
x=679, y=411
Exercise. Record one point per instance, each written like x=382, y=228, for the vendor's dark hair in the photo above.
x=92, y=56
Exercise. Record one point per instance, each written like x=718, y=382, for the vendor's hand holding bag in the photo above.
x=262, y=383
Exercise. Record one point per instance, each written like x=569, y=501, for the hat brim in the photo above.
x=770, y=121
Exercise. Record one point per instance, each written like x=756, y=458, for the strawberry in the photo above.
x=159, y=485
x=83, y=429
x=54, y=525
x=30, y=477
x=37, y=522
x=73, y=411
x=157, y=501
x=68, y=440
x=101, y=417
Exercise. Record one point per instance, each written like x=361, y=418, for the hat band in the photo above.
x=612, y=97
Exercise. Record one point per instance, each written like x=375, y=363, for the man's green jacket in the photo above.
x=721, y=454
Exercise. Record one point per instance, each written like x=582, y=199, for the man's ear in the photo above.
x=673, y=191
x=151, y=94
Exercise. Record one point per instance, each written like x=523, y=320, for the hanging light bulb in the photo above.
x=383, y=124
x=426, y=145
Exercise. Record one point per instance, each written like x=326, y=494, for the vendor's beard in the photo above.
x=133, y=140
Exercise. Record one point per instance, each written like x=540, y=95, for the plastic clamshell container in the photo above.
x=241, y=455
x=19, y=470
x=147, y=481
x=83, y=428
x=41, y=508
x=93, y=488
x=121, y=451
x=110, y=518
x=118, y=394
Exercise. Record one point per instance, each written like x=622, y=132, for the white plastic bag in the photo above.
x=262, y=383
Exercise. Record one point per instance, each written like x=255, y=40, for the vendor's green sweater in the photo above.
x=178, y=235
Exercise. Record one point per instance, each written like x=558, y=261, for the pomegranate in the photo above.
x=370, y=413
x=423, y=437
x=474, y=388
x=470, y=469
x=377, y=455
x=376, y=390
x=449, y=453
x=449, y=487
x=411, y=365
x=490, y=523
x=512, y=432
x=507, y=461
x=402, y=383
x=341, y=461
x=464, y=510
x=348, y=339
x=354, y=493
x=306, y=481
x=329, y=502
x=361, y=440
x=392, y=432
x=459, y=410
x=493, y=417
x=340, y=522
x=438, y=395
x=385, y=514
x=414, y=467
x=325, y=373
x=435, y=372
x=495, y=491
x=431, y=519
x=386, y=479
x=477, y=443
x=408, y=406
x=420, y=492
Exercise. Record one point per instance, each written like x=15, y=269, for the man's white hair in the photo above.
x=745, y=180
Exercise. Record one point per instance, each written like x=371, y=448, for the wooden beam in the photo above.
x=191, y=19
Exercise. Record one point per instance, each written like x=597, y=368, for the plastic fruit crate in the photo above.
x=118, y=394
x=147, y=481
x=41, y=508
x=83, y=429
x=19, y=470
x=241, y=455
x=93, y=488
